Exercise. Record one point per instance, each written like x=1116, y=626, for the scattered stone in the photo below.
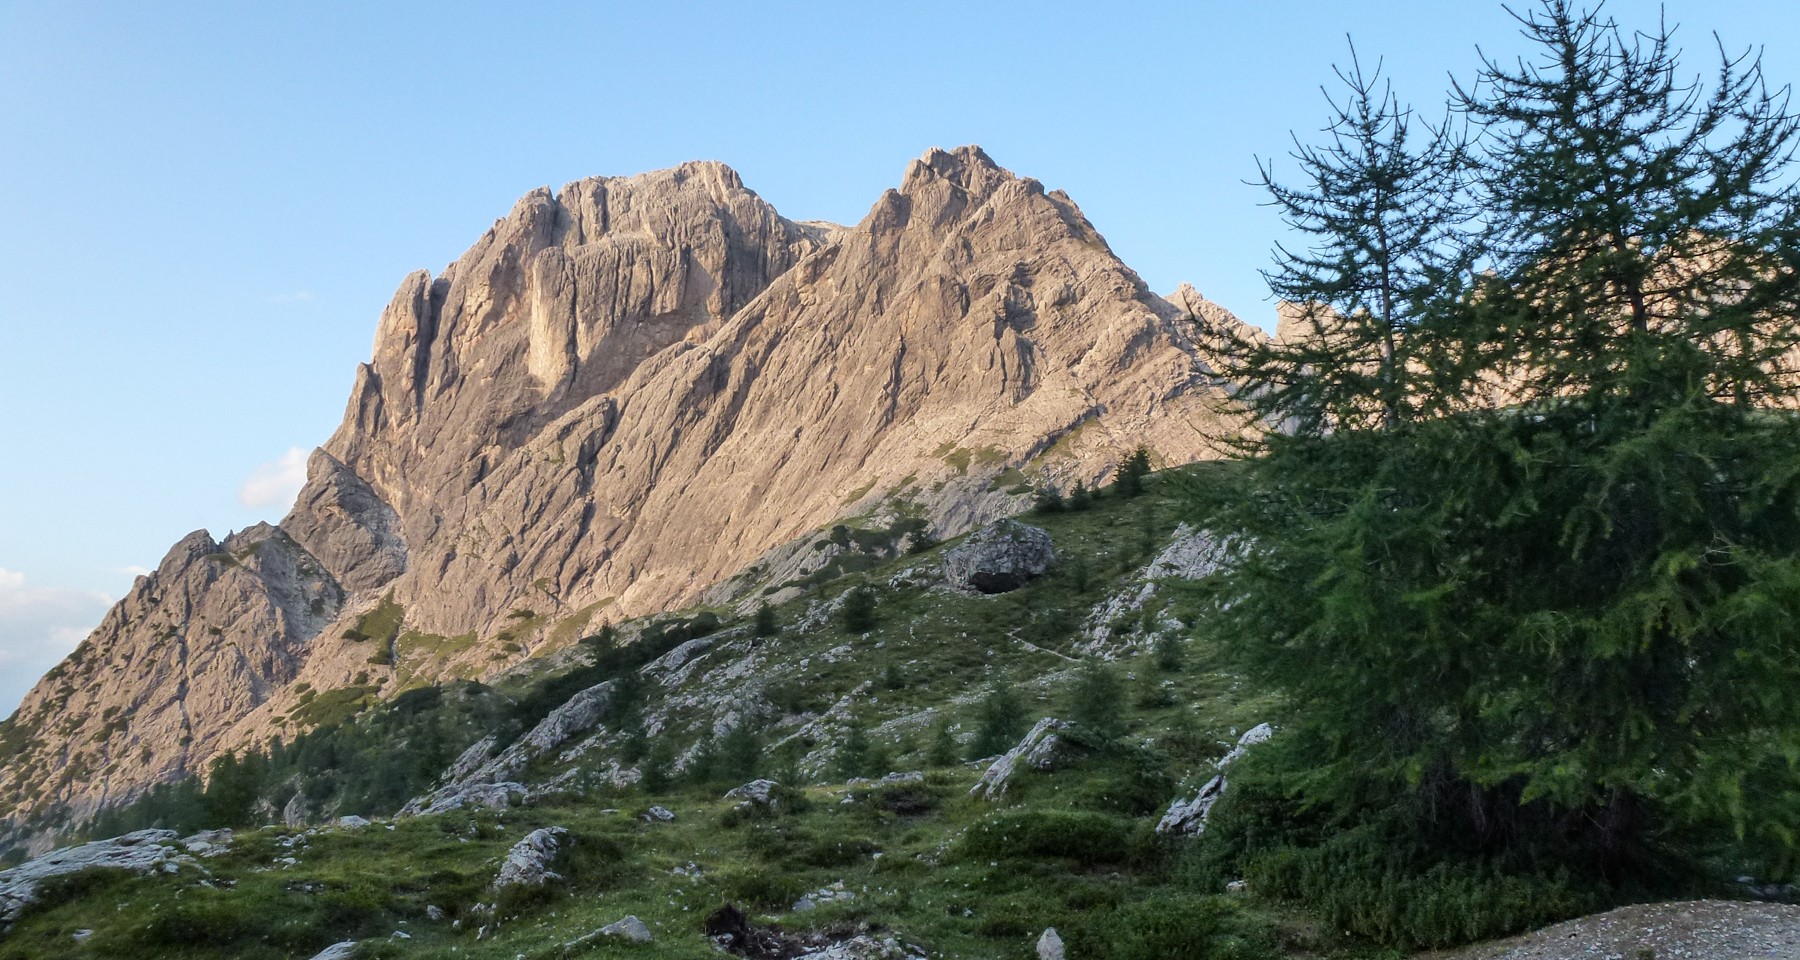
x=999, y=557
x=528, y=863
x=1238, y=886
x=1050, y=945
x=864, y=947
x=1189, y=816
x=207, y=843
x=343, y=950
x=82, y=935
x=352, y=822
x=1037, y=750
x=434, y=913
x=630, y=928
x=759, y=792
x=834, y=893
x=658, y=815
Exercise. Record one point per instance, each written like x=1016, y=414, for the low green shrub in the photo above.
x=1084, y=837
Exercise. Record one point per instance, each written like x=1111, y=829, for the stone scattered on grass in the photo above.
x=630, y=928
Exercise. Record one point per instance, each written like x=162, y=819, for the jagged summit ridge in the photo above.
x=635, y=390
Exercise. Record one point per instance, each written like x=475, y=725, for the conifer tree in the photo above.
x=766, y=625
x=1380, y=203
x=1535, y=570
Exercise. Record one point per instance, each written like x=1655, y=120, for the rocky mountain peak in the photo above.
x=631, y=394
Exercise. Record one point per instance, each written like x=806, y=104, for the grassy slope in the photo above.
x=958, y=876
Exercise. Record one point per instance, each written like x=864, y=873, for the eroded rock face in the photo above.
x=626, y=391
x=998, y=558
x=211, y=634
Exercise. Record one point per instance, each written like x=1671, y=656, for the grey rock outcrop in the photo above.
x=146, y=851
x=1190, y=555
x=528, y=863
x=472, y=781
x=1190, y=816
x=999, y=557
x=1037, y=749
x=625, y=392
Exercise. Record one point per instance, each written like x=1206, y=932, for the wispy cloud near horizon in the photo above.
x=38, y=627
x=275, y=483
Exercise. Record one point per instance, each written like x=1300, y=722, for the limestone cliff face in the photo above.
x=628, y=392
x=210, y=634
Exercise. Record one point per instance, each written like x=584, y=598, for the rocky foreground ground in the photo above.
x=1693, y=930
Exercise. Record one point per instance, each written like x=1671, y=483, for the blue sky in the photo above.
x=203, y=207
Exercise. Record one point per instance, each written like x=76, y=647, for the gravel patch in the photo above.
x=1693, y=930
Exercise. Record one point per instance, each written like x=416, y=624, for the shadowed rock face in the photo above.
x=632, y=389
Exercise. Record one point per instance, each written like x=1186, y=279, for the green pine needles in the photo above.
x=1523, y=549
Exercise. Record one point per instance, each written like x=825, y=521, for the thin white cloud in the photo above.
x=276, y=483
x=38, y=627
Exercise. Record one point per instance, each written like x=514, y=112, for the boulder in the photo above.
x=342, y=950
x=1037, y=750
x=528, y=863
x=759, y=792
x=630, y=928
x=1000, y=557
x=658, y=815
x=1050, y=945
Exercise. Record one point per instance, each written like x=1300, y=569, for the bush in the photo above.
x=858, y=611
x=1086, y=838
x=1164, y=927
